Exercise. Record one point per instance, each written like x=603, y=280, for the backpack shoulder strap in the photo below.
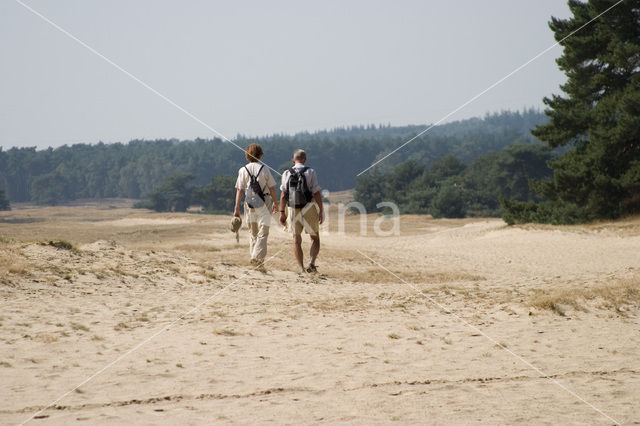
x=258, y=174
x=304, y=178
x=301, y=172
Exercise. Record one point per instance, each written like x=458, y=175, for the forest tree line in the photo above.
x=588, y=169
x=139, y=168
x=450, y=187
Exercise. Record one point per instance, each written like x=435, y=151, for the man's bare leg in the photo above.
x=315, y=249
x=297, y=250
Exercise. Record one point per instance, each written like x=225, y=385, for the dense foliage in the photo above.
x=450, y=187
x=218, y=196
x=174, y=194
x=4, y=201
x=137, y=169
x=597, y=119
x=177, y=193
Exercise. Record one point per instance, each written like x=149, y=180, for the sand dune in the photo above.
x=452, y=321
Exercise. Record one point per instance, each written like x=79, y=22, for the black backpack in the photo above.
x=255, y=194
x=298, y=193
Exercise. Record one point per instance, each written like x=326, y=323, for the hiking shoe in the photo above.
x=257, y=262
x=312, y=269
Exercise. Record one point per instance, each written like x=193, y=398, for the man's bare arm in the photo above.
x=318, y=199
x=283, y=206
x=272, y=191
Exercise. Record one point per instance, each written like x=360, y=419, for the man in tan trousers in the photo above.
x=256, y=181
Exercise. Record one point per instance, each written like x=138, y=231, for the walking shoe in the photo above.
x=258, y=265
x=312, y=269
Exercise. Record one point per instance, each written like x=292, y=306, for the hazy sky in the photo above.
x=262, y=67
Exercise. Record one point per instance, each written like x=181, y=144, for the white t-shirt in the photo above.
x=310, y=176
x=265, y=179
x=262, y=214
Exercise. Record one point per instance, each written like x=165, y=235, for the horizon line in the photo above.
x=240, y=136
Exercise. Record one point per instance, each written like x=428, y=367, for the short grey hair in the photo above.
x=299, y=154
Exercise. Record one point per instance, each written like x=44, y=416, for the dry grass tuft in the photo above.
x=375, y=275
x=79, y=327
x=11, y=262
x=47, y=338
x=340, y=304
x=620, y=296
x=199, y=248
x=122, y=326
x=61, y=244
x=227, y=332
x=19, y=268
x=119, y=271
x=558, y=301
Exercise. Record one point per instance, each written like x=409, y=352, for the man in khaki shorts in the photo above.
x=301, y=196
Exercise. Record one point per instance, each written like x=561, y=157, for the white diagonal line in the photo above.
x=520, y=358
x=144, y=342
x=473, y=99
x=145, y=85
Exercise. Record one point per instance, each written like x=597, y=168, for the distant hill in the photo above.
x=134, y=169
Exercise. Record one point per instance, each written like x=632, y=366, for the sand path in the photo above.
x=350, y=345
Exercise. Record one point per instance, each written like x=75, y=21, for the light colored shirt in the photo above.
x=310, y=176
x=261, y=215
x=265, y=179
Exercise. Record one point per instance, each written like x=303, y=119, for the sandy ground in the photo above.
x=157, y=319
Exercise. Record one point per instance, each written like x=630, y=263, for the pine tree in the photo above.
x=596, y=120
